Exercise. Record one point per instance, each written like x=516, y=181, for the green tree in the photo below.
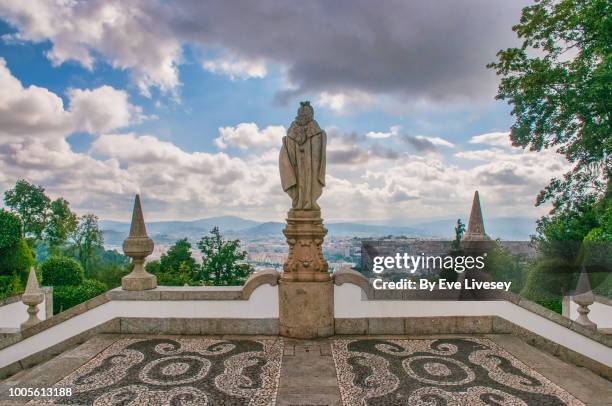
x=61, y=271
x=15, y=255
x=178, y=255
x=87, y=239
x=221, y=260
x=459, y=230
x=10, y=229
x=65, y=297
x=31, y=204
x=176, y=267
x=559, y=83
x=62, y=222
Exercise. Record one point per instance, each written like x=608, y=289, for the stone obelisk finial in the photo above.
x=476, y=229
x=32, y=297
x=138, y=246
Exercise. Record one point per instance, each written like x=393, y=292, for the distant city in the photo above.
x=266, y=247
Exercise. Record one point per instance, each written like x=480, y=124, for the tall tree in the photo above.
x=178, y=255
x=222, y=260
x=459, y=230
x=87, y=239
x=62, y=222
x=15, y=255
x=559, y=83
x=31, y=204
x=177, y=266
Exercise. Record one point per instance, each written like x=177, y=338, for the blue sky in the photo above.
x=186, y=103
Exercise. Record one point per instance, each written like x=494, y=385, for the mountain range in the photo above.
x=506, y=228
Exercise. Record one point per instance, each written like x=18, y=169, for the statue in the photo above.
x=305, y=289
x=302, y=160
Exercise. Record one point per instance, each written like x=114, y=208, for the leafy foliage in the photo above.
x=459, y=230
x=109, y=266
x=221, y=260
x=61, y=271
x=32, y=206
x=559, y=83
x=505, y=267
x=65, y=297
x=10, y=286
x=16, y=260
x=16, y=257
x=87, y=239
x=62, y=222
x=10, y=229
x=550, y=280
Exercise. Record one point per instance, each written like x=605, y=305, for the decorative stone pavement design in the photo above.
x=307, y=375
x=182, y=371
x=452, y=371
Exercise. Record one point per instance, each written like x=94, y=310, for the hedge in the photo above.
x=61, y=271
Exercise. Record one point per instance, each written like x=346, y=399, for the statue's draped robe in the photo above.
x=302, y=164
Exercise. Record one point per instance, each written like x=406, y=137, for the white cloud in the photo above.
x=393, y=131
x=494, y=138
x=346, y=102
x=102, y=109
x=248, y=135
x=236, y=68
x=125, y=34
x=361, y=182
x=435, y=141
x=31, y=110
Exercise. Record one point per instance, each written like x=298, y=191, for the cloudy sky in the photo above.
x=186, y=102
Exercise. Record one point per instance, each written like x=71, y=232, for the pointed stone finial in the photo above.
x=138, y=246
x=584, y=298
x=32, y=297
x=32, y=286
x=476, y=230
x=138, y=228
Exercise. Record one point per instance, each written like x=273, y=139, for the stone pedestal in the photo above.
x=306, y=293
x=305, y=233
x=139, y=279
x=306, y=309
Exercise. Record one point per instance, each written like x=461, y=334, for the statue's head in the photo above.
x=305, y=113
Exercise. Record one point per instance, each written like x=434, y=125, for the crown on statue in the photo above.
x=305, y=112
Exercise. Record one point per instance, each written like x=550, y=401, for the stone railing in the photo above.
x=13, y=311
x=600, y=311
x=254, y=309
x=248, y=309
x=360, y=309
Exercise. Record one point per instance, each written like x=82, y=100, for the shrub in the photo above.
x=10, y=229
x=10, y=286
x=555, y=305
x=549, y=280
x=65, y=297
x=61, y=271
x=16, y=260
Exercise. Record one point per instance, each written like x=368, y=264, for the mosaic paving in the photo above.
x=454, y=371
x=185, y=371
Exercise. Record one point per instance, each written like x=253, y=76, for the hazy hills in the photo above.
x=506, y=228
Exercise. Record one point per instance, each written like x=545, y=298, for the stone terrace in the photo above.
x=308, y=374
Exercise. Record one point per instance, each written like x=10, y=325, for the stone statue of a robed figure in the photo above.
x=302, y=160
x=305, y=287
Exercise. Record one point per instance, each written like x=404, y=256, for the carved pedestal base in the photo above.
x=139, y=279
x=306, y=309
x=305, y=233
x=306, y=291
